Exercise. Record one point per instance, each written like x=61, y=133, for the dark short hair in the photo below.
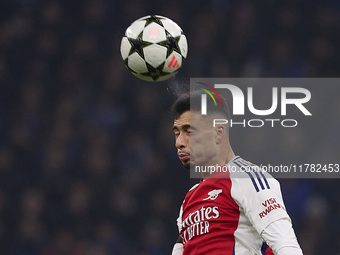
x=192, y=101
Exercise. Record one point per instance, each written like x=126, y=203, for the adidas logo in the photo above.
x=173, y=62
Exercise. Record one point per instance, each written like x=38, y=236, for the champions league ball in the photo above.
x=154, y=48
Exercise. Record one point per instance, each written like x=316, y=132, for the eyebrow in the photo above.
x=181, y=127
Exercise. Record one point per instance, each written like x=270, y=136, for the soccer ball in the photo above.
x=154, y=48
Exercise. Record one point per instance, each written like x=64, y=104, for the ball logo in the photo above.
x=173, y=62
x=153, y=32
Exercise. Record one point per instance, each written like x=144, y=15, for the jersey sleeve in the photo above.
x=281, y=238
x=177, y=249
x=179, y=219
x=259, y=197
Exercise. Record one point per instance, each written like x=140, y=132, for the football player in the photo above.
x=235, y=209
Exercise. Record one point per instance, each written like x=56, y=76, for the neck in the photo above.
x=225, y=155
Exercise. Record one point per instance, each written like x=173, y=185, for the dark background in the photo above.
x=87, y=157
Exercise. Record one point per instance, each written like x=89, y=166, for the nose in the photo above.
x=181, y=141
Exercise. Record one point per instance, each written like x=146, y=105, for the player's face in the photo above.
x=194, y=140
x=182, y=131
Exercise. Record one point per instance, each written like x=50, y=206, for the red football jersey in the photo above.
x=225, y=213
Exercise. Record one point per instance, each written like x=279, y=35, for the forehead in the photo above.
x=182, y=120
x=189, y=118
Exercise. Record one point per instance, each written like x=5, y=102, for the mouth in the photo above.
x=184, y=157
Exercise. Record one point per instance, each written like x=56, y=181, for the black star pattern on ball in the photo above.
x=154, y=19
x=137, y=45
x=155, y=73
x=171, y=43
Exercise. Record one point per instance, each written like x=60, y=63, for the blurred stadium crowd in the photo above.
x=87, y=158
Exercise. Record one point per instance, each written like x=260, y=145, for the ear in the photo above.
x=220, y=134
